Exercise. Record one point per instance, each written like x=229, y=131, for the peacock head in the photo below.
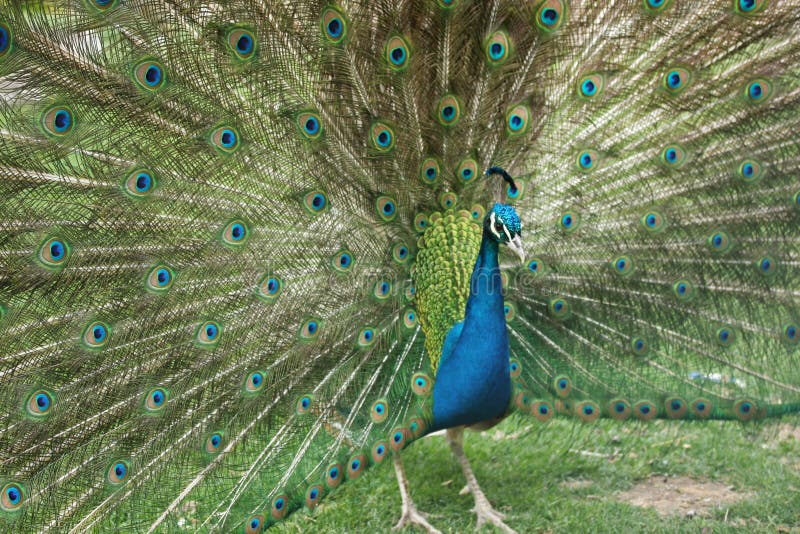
x=504, y=226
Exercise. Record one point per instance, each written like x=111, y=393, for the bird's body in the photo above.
x=248, y=249
x=472, y=379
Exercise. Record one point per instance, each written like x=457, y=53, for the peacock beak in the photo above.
x=516, y=245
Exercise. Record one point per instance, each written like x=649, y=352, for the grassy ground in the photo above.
x=562, y=477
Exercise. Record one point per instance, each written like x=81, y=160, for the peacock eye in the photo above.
x=498, y=226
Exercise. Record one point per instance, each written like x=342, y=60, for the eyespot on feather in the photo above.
x=478, y=212
x=254, y=382
x=242, y=43
x=421, y=384
x=40, y=404
x=750, y=171
x=58, y=121
x=6, y=39
x=550, y=15
x=398, y=438
x=409, y=319
x=378, y=452
x=562, y=386
x=587, y=160
x=517, y=120
x=448, y=200
x=117, y=473
x=310, y=125
x=235, y=233
x=333, y=476
x=342, y=261
x=684, y=290
x=790, y=334
x=400, y=252
x=570, y=221
x=542, y=410
x=254, y=524
x=355, y=466
x=304, y=404
x=382, y=290
x=225, y=139
x=587, y=411
x=208, y=334
x=334, y=25
x=619, y=409
x=421, y=222
x=213, y=443
x=379, y=411
x=639, y=346
x=655, y=6
x=397, y=53
x=467, y=170
x=653, y=221
x=53, y=253
x=676, y=80
x=96, y=335
x=745, y=410
x=101, y=5
x=159, y=279
x=622, y=265
x=767, y=266
x=12, y=497
x=749, y=8
x=310, y=329
x=269, y=287
x=591, y=86
x=429, y=171
x=701, y=408
x=149, y=75
x=673, y=156
x=279, y=506
x=758, y=91
x=386, y=207
x=559, y=308
x=366, y=337
x=675, y=407
x=644, y=410
x=313, y=496
x=139, y=183
x=498, y=48
x=448, y=110
x=382, y=137
x=315, y=202
x=156, y=400
x=720, y=242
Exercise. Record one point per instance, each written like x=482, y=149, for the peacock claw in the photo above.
x=487, y=514
x=413, y=517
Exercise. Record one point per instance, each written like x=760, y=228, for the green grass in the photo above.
x=530, y=473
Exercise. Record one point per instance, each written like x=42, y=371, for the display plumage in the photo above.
x=238, y=239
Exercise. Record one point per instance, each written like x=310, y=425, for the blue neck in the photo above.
x=485, y=304
x=472, y=382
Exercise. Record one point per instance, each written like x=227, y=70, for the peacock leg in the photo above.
x=411, y=516
x=483, y=508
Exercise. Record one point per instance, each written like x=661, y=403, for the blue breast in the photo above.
x=472, y=381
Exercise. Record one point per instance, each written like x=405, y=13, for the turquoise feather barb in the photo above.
x=234, y=238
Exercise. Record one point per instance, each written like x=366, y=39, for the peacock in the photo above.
x=251, y=248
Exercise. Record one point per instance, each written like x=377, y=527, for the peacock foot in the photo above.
x=413, y=517
x=487, y=514
x=483, y=508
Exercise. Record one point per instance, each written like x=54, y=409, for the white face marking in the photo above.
x=492, y=219
x=505, y=229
